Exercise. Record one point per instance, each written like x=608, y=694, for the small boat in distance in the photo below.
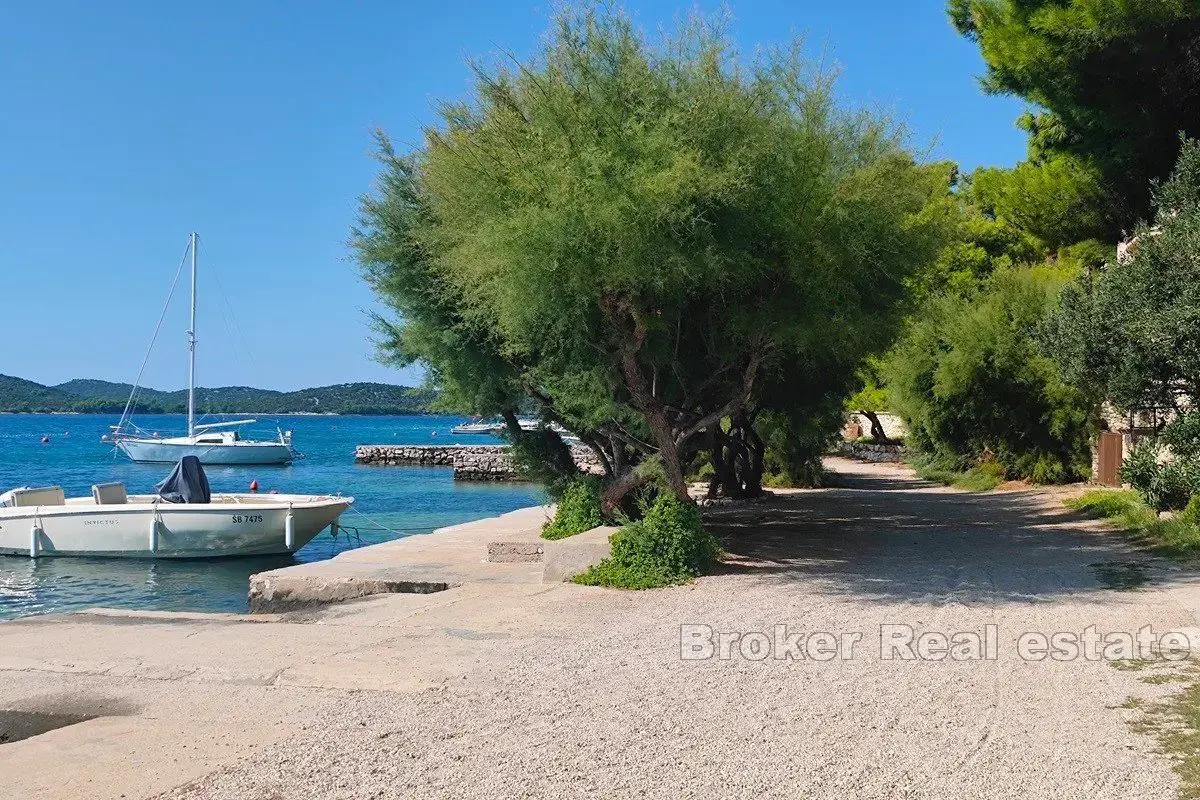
x=207, y=442
x=477, y=428
x=183, y=520
x=497, y=427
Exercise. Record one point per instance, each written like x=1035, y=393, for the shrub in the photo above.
x=968, y=378
x=668, y=546
x=1191, y=514
x=1164, y=486
x=980, y=478
x=1104, y=504
x=578, y=509
x=1178, y=536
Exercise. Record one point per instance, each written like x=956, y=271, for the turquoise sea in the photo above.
x=406, y=500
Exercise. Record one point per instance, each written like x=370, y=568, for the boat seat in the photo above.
x=28, y=497
x=109, y=494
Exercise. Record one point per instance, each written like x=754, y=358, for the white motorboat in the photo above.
x=496, y=427
x=477, y=428
x=43, y=522
x=207, y=442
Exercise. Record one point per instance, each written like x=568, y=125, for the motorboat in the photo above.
x=477, y=428
x=207, y=442
x=182, y=519
x=497, y=427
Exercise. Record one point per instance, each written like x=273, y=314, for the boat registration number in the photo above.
x=244, y=518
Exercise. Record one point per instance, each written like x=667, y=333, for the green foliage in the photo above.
x=1117, y=80
x=810, y=474
x=970, y=382
x=668, y=546
x=1167, y=481
x=1131, y=332
x=1104, y=504
x=1191, y=512
x=980, y=477
x=1058, y=201
x=578, y=509
x=1178, y=536
x=542, y=456
x=645, y=234
x=935, y=468
x=1182, y=436
x=872, y=394
x=795, y=442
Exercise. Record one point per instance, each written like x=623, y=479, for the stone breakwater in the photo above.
x=486, y=462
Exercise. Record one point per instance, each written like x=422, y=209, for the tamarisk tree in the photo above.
x=651, y=241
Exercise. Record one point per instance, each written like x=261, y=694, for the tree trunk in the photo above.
x=877, y=432
x=615, y=493
x=668, y=451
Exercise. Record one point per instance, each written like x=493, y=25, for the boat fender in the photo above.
x=289, y=530
x=153, y=542
x=35, y=540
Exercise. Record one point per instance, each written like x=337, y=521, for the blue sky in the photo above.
x=124, y=126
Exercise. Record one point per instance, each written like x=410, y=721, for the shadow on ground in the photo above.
x=881, y=534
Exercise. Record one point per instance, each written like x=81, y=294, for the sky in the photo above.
x=124, y=126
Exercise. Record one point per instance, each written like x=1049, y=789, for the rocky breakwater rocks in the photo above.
x=470, y=462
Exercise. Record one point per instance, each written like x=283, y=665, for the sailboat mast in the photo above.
x=192, y=350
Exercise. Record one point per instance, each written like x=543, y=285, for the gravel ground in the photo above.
x=598, y=702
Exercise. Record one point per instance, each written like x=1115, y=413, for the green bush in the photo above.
x=1168, y=486
x=578, y=509
x=1191, y=514
x=981, y=477
x=969, y=379
x=1105, y=504
x=1179, y=536
x=668, y=546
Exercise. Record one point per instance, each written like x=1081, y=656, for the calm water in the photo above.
x=406, y=500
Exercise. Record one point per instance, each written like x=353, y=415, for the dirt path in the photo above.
x=575, y=692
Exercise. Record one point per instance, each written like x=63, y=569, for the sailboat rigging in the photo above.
x=208, y=442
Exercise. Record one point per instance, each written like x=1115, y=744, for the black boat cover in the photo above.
x=187, y=483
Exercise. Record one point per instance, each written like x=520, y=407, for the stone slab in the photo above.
x=566, y=558
x=419, y=564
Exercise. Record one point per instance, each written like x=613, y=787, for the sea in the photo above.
x=389, y=502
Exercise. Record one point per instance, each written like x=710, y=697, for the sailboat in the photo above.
x=212, y=443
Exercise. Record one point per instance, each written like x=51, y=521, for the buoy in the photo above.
x=45, y=440
x=254, y=486
x=434, y=433
x=104, y=437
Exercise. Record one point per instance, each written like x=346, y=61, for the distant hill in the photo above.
x=82, y=395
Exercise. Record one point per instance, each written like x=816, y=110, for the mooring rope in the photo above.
x=379, y=526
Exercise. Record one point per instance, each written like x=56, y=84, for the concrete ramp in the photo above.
x=419, y=564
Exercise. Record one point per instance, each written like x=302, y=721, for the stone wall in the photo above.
x=865, y=451
x=485, y=462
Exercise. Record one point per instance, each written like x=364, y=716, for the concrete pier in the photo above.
x=504, y=549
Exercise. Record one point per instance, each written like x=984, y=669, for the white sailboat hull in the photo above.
x=231, y=525
x=161, y=451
